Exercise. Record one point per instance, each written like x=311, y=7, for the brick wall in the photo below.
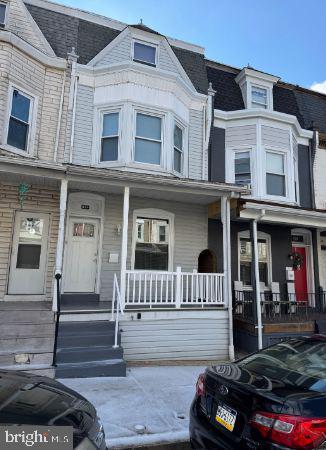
x=39, y=199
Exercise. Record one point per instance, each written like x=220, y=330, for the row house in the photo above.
x=155, y=205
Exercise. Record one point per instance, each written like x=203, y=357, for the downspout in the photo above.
x=207, y=126
x=72, y=59
x=312, y=154
x=57, y=136
x=73, y=120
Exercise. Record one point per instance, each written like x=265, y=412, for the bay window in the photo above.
x=19, y=120
x=148, y=140
x=152, y=244
x=178, y=148
x=275, y=174
x=242, y=170
x=110, y=137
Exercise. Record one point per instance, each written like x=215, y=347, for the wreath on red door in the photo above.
x=297, y=260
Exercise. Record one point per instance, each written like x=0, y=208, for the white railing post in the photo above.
x=178, y=288
x=124, y=246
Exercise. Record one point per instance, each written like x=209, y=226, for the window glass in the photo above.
x=110, y=137
x=178, y=149
x=30, y=243
x=19, y=121
x=246, y=261
x=148, y=139
x=2, y=13
x=144, y=53
x=259, y=97
x=275, y=176
x=83, y=230
x=242, y=172
x=152, y=247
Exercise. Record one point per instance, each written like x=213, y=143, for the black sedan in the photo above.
x=39, y=401
x=271, y=400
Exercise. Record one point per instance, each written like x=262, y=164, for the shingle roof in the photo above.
x=309, y=107
x=64, y=32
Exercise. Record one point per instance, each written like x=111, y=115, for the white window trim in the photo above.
x=177, y=123
x=6, y=3
x=269, y=92
x=32, y=121
x=149, y=44
x=152, y=213
x=230, y=162
x=162, y=116
x=262, y=105
x=260, y=235
x=287, y=171
x=102, y=114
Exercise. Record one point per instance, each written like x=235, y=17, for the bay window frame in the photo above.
x=5, y=3
x=103, y=113
x=286, y=174
x=177, y=123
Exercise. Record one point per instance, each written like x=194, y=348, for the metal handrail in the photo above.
x=116, y=304
x=57, y=318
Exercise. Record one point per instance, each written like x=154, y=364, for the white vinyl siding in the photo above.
x=240, y=136
x=185, y=336
x=196, y=144
x=83, y=139
x=118, y=53
x=275, y=137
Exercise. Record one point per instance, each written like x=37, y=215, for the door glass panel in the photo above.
x=83, y=230
x=29, y=244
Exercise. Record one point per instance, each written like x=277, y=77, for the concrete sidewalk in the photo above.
x=155, y=399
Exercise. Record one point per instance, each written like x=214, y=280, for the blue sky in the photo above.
x=286, y=38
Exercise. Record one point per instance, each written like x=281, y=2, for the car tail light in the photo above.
x=291, y=431
x=200, y=385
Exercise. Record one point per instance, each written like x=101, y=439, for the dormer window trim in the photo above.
x=147, y=44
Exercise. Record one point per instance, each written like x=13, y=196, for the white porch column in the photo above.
x=61, y=237
x=227, y=285
x=257, y=285
x=124, y=245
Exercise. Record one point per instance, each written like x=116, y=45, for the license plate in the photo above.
x=225, y=416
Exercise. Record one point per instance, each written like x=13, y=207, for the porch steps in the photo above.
x=27, y=336
x=85, y=350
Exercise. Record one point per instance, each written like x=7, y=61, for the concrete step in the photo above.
x=8, y=359
x=80, y=355
x=27, y=345
x=79, y=298
x=87, y=340
x=86, y=328
x=24, y=330
x=106, y=368
x=26, y=317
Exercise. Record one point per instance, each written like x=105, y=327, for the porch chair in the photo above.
x=238, y=297
x=276, y=297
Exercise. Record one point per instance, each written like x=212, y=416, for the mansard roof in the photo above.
x=308, y=106
x=65, y=31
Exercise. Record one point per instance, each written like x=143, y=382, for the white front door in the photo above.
x=29, y=253
x=81, y=255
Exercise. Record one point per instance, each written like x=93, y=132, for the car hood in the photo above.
x=29, y=399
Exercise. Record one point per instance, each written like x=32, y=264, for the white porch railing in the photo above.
x=116, y=309
x=178, y=289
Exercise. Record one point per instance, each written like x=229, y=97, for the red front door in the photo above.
x=300, y=276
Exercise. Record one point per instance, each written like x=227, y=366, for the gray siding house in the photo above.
x=152, y=203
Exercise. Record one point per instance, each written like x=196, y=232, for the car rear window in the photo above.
x=301, y=363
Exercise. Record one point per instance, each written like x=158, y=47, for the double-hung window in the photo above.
x=110, y=137
x=246, y=260
x=144, y=53
x=275, y=174
x=19, y=120
x=3, y=12
x=178, y=149
x=258, y=97
x=148, y=140
x=152, y=244
x=242, y=170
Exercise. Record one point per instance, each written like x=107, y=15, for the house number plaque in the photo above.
x=84, y=206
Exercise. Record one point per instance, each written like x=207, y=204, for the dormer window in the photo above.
x=3, y=12
x=258, y=97
x=144, y=53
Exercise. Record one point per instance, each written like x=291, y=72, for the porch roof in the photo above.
x=148, y=185
x=282, y=214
